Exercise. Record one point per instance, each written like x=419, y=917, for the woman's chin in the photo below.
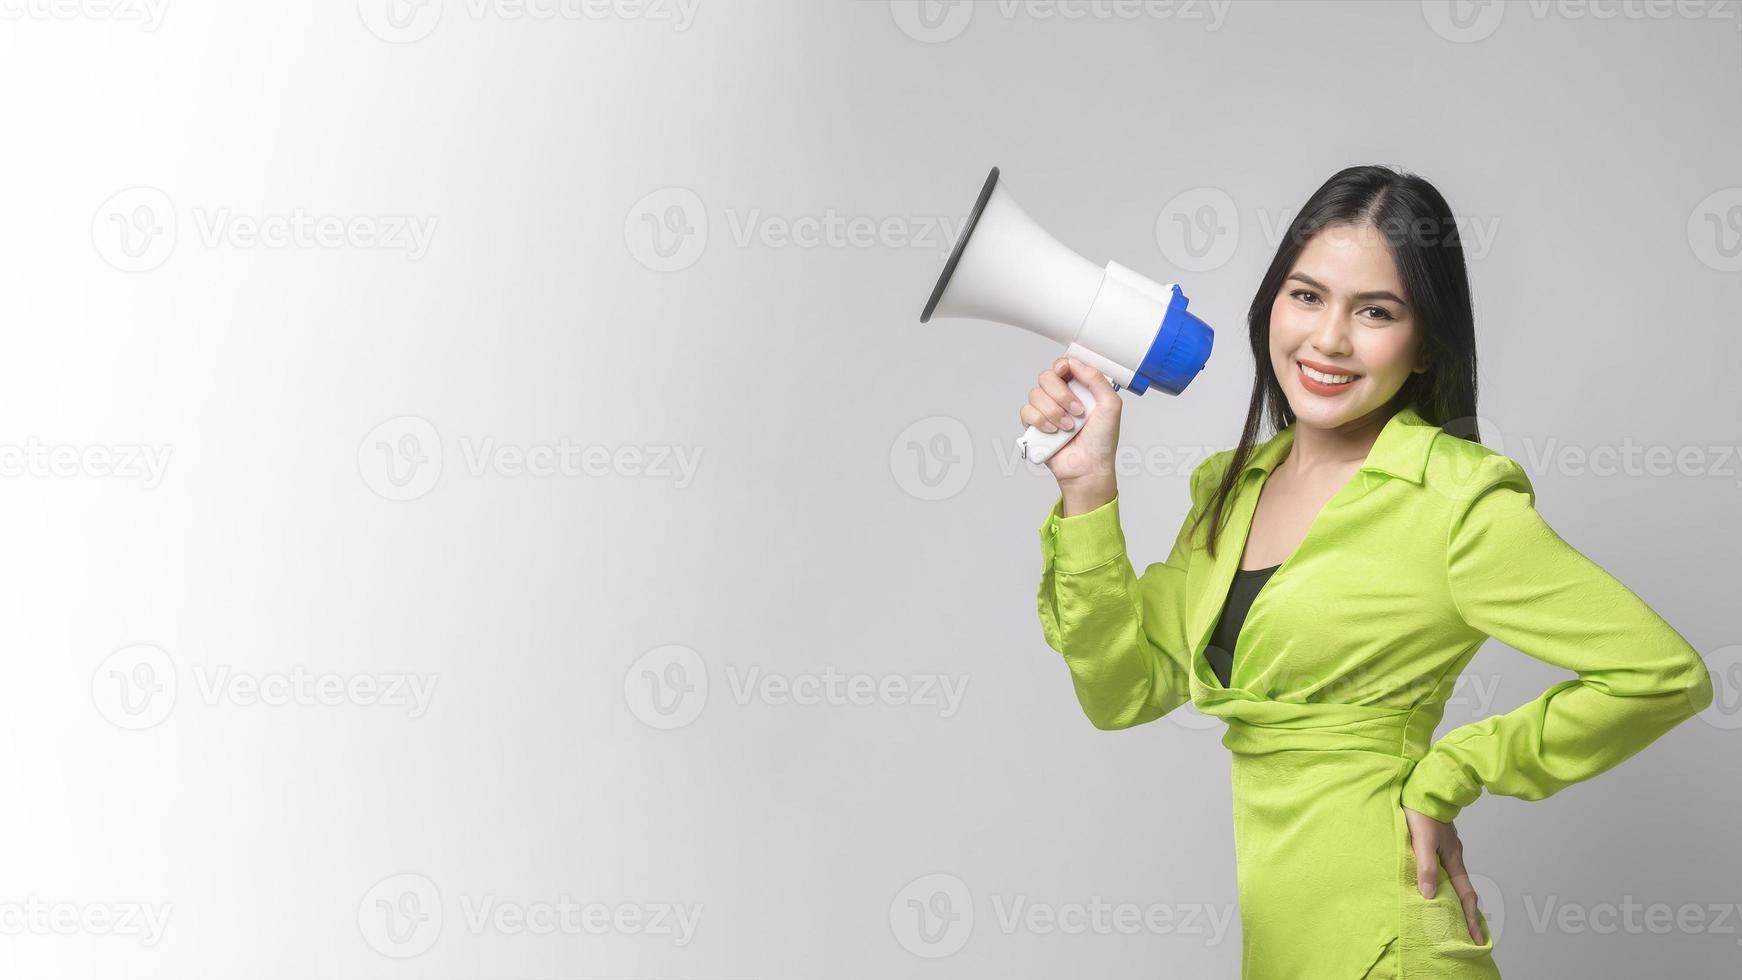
x=1325, y=413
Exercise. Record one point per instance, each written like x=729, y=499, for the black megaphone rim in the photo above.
x=937, y=292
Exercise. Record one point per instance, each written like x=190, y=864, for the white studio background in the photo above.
x=477, y=501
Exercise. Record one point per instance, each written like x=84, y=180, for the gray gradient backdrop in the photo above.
x=478, y=501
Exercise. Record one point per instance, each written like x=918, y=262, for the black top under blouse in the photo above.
x=1241, y=592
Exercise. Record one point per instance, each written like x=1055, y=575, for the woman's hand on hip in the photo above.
x=1435, y=843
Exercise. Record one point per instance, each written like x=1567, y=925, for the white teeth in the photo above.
x=1323, y=378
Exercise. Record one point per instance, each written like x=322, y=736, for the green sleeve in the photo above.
x=1123, y=637
x=1513, y=578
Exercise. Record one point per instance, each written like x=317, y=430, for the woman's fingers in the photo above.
x=1434, y=842
x=1060, y=394
x=1424, y=840
x=1033, y=416
x=1094, y=380
x=1053, y=398
x=1454, y=859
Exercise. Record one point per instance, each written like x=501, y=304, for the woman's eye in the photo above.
x=1304, y=295
x=1384, y=314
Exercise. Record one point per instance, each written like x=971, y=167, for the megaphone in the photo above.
x=1007, y=269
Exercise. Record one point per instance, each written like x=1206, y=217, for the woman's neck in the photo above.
x=1316, y=449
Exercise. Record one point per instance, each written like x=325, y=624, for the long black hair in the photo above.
x=1422, y=234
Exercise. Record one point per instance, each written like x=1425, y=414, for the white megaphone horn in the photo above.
x=1007, y=269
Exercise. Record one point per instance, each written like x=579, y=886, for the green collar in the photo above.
x=1401, y=449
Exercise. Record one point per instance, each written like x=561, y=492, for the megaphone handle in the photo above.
x=1038, y=447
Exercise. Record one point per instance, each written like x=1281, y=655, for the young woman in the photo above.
x=1330, y=585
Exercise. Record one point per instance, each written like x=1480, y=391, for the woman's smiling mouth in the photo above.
x=1320, y=380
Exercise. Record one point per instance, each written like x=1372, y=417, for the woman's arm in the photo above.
x=1513, y=578
x=1123, y=637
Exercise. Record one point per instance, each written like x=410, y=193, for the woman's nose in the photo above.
x=1332, y=333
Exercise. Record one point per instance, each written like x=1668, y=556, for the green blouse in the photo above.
x=1351, y=650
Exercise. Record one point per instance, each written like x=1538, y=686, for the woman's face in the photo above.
x=1342, y=311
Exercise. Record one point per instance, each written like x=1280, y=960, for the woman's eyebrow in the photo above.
x=1370, y=294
